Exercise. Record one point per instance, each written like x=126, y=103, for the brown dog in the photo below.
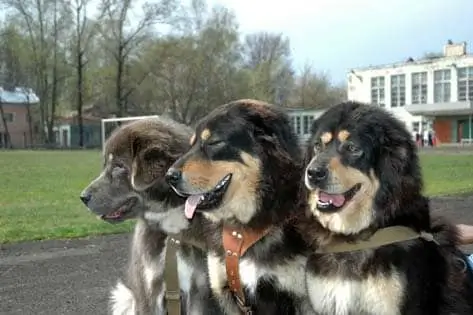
x=132, y=185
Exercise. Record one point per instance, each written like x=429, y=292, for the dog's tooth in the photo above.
x=202, y=198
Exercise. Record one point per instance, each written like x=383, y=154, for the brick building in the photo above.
x=15, y=110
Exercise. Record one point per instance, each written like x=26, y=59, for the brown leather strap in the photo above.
x=173, y=296
x=236, y=242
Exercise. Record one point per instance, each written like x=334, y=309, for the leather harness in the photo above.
x=235, y=243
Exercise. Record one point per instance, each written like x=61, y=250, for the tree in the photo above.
x=124, y=37
x=267, y=56
x=85, y=30
x=124, y=59
x=13, y=61
x=314, y=90
x=45, y=23
x=196, y=68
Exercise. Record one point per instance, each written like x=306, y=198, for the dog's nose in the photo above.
x=173, y=176
x=85, y=197
x=317, y=174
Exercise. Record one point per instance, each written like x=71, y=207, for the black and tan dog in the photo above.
x=243, y=173
x=382, y=254
x=132, y=185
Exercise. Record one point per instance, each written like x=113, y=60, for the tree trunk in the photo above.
x=119, y=82
x=6, y=138
x=30, y=122
x=80, y=100
x=54, y=91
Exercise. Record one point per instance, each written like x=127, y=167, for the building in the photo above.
x=66, y=130
x=301, y=120
x=432, y=93
x=15, y=105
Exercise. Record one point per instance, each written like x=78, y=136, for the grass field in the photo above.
x=39, y=191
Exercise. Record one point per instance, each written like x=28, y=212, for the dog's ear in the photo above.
x=149, y=163
x=271, y=126
x=400, y=169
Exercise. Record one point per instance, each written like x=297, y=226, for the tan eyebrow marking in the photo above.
x=343, y=135
x=326, y=137
x=205, y=135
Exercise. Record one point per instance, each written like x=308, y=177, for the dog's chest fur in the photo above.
x=263, y=268
x=334, y=290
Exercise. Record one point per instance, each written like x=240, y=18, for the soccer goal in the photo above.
x=110, y=124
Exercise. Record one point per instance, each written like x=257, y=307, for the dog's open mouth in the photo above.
x=330, y=202
x=121, y=213
x=207, y=200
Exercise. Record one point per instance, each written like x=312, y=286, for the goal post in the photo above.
x=108, y=125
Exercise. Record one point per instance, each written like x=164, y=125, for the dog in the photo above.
x=132, y=185
x=242, y=173
x=375, y=248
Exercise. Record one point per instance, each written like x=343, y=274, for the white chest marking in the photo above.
x=289, y=276
x=375, y=295
x=185, y=274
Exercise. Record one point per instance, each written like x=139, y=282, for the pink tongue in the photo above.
x=336, y=200
x=191, y=204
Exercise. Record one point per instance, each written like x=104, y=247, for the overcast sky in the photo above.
x=336, y=35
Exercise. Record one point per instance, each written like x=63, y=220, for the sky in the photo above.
x=337, y=35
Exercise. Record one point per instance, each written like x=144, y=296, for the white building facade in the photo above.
x=301, y=121
x=433, y=93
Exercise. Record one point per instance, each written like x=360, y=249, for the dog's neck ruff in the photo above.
x=235, y=243
x=382, y=237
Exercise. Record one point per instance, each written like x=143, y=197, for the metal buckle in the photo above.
x=241, y=305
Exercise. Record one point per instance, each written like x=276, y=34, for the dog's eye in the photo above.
x=215, y=143
x=352, y=148
x=317, y=147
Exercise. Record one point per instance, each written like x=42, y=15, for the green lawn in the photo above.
x=39, y=195
x=39, y=191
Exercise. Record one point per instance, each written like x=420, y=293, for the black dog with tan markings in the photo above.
x=242, y=173
x=378, y=250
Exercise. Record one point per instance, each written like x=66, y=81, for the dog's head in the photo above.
x=243, y=164
x=136, y=158
x=362, y=168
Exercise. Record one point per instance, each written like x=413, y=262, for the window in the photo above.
x=398, y=90
x=298, y=125
x=292, y=122
x=465, y=83
x=377, y=91
x=305, y=124
x=419, y=88
x=8, y=117
x=442, y=85
x=311, y=120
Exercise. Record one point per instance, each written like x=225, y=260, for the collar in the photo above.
x=382, y=237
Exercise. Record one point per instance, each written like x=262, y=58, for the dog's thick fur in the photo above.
x=355, y=144
x=136, y=157
x=254, y=143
